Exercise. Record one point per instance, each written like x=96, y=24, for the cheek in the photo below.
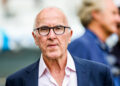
x=65, y=42
x=105, y=22
x=109, y=19
x=42, y=43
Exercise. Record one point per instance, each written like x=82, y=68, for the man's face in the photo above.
x=109, y=17
x=52, y=45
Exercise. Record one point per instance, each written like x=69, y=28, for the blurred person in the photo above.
x=100, y=20
x=116, y=49
x=115, y=55
x=56, y=67
x=114, y=43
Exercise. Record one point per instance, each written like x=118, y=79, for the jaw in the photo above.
x=53, y=54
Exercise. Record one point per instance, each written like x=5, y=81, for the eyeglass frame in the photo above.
x=53, y=29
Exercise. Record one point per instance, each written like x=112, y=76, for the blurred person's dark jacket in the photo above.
x=89, y=47
x=116, y=52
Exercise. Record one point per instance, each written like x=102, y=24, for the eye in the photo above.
x=43, y=29
x=59, y=28
x=114, y=12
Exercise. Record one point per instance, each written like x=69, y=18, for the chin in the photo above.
x=53, y=55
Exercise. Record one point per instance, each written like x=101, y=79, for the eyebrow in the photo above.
x=53, y=26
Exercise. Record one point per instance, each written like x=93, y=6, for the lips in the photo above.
x=52, y=45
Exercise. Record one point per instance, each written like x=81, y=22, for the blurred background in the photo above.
x=17, y=48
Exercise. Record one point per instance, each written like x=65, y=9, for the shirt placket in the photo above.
x=66, y=78
x=51, y=80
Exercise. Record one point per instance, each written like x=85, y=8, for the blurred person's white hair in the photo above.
x=86, y=9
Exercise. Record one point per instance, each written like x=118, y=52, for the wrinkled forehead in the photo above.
x=50, y=17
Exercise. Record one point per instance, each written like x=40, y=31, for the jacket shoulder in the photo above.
x=91, y=65
x=99, y=73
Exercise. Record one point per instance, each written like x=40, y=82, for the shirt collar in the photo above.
x=70, y=64
x=42, y=66
x=102, y=45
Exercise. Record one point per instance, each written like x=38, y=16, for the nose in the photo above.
x=51, y=34
x=118, y=18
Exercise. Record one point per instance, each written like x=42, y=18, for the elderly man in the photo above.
x=56, y=66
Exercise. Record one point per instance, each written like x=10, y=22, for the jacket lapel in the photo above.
x=32, y=75
x=82, y=71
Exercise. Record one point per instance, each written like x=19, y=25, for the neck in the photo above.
x=56, y=65
x=99, y=31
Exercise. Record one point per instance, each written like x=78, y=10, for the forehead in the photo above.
x=110, y=5
x=51, y=18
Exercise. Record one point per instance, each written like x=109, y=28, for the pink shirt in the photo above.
x=45, y=78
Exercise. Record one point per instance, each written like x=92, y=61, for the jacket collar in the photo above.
x=32, y=74
x=82, y=71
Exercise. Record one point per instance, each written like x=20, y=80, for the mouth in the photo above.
x=52, y=45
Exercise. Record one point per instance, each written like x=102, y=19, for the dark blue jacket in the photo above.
x=88, y=74
x=89, y=47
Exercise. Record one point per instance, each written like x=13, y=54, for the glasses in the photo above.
x=45, y=30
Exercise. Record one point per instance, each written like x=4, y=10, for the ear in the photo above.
x=35, y=38
x=70, y=36
x=33, y=34
x=96, y=15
